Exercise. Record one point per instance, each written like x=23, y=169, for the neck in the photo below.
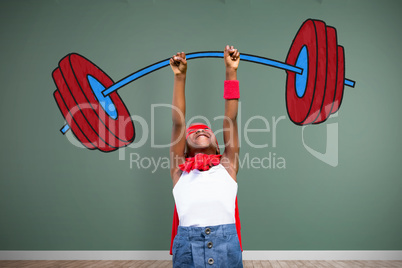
x=202, y=151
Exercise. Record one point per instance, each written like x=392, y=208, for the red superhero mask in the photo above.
x=196, y=127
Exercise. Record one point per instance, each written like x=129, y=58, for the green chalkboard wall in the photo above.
x=55, y=195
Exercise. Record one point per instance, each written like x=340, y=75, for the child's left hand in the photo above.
x=232, y=57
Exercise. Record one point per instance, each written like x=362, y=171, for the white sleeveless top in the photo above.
x=205, y=198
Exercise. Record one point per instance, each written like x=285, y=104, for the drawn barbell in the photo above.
x=95, y=113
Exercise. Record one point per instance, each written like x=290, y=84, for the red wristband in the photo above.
x=231, y=89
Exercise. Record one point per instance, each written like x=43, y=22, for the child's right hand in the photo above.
x=179, y=63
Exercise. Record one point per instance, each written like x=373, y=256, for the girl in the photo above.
x=206, y=226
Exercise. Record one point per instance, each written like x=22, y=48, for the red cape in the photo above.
x=176, y=224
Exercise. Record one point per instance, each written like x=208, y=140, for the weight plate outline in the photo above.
x=340, y=86
x=77, y=68
x=78, y=113
x=81, y=67
x=305, y=110
x=70, y=111
x=331, y=79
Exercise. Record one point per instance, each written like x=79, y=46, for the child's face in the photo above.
x=200, y=136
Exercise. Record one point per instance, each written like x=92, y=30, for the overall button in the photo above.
x=209, y=245
x=207, y=231
x=210, y=261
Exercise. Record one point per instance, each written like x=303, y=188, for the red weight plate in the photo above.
x=340, y=84
x=119, y=132
x=116, y=132
x=71, y=121
x=81, y=123
x=305, y=109
x=332, y=62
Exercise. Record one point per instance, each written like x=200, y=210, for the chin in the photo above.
x=202, y=143
x=203, y=146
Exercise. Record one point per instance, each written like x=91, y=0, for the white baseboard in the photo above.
x=322, y=255
x=164, y=255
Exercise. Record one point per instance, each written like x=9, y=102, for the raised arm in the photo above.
x=178, y=141
x=230, y=131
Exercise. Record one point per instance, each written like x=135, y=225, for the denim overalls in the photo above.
x=211, y=246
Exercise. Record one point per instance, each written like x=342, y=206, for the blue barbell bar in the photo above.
x=194, y=55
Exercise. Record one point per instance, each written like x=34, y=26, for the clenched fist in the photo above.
x=232, y=57
x=179, y=63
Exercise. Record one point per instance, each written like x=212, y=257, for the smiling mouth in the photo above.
x=202, y=135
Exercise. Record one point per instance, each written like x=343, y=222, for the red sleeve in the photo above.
x=175, y=224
